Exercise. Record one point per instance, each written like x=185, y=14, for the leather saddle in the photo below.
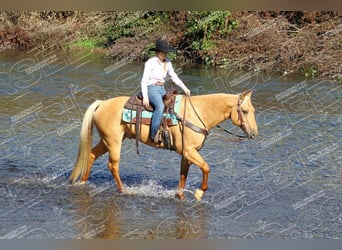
x=135, y=103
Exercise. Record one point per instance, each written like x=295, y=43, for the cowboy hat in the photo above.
x=163, y=46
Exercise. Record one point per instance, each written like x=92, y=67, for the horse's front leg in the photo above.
x=194, y=157
x=185, y=165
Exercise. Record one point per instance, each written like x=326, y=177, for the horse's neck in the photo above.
x=215, y=108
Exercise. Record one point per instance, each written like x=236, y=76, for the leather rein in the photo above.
x=242, y=123
x=204, y=130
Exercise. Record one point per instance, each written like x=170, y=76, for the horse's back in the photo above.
x=110, y=110
x=116, y=103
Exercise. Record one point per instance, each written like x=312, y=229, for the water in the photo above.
x=285, y=184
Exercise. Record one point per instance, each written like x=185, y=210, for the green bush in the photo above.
x=86, y=43
x=339, y=79
x=202, y=25
x=131, y=24
x=310, y=71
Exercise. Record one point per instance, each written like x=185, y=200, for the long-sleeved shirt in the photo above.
x=157, y=71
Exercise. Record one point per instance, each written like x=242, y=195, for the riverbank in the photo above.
x=308, y=43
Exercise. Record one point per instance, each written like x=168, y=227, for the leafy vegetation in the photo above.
x=307, y=42
x=203, y=27
x=86, y=43
x=130, y=25
x=310, y=71
x=339, y=79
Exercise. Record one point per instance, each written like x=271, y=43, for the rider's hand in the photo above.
x=146, y=102
x=186, y=91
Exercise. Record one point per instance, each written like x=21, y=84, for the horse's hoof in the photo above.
x=180, y=196
x=124, y=191
x=82, y=182
x=199, y=194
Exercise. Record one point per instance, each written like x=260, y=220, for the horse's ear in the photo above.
x=247, y=93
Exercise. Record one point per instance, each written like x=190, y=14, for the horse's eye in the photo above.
x=245, y=112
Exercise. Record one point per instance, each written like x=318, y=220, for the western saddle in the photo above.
x=135, y=103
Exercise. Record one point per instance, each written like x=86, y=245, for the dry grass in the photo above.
x=27, y=29
x=307, y=42
x=312, y=45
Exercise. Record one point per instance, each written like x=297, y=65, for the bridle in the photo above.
x=240, y=119
x=240, y=116
x=205, y=130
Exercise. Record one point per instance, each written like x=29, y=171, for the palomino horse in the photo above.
x=204, y=113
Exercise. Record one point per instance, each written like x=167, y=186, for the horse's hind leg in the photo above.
x=185, y=165
x=96, y=152
x=113, y=163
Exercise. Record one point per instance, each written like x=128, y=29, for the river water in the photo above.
x=287, y=183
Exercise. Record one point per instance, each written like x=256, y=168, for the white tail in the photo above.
x=84, y=149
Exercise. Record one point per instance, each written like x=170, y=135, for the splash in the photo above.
x=150, y=188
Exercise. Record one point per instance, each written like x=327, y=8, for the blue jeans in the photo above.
x=155, y=96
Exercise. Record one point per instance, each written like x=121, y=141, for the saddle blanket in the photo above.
x=130, y=115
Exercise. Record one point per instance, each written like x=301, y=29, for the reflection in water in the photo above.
x=109, y=216
x=94, y=217
x=188, y=223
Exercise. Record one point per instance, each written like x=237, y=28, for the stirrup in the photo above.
x=167, y=139
x=157, y=138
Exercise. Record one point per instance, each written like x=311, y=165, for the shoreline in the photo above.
x=292, y=42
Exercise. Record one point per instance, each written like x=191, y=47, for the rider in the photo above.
x=152, y=83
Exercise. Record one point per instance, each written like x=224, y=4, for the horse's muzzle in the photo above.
x=252, y=135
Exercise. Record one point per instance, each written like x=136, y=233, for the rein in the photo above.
x=193, y=108
x=242, y=126
x=191, y=125
x=239, y=137
x=205, y=130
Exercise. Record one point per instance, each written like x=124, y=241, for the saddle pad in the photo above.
x=129, y=115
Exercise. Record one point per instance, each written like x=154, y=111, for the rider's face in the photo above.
x=161, y=55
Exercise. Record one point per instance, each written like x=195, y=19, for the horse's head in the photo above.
x=243, y=115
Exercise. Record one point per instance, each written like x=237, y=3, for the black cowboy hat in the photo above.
x=163, y=46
